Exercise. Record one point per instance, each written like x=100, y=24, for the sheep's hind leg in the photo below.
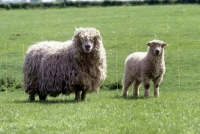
x=136, y=86
x=77, y=95
x=126, y=88
x=42, y=97
x=31, y=93
x=32, y=97
x=83, y=95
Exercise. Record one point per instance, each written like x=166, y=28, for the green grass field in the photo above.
x=125, y=29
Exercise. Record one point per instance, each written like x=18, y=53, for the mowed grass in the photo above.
x=104, y=112
x=124, y=30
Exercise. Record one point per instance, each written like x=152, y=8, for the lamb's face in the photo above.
x=156, y=47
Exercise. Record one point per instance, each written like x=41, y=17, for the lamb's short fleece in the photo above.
x=141, y=67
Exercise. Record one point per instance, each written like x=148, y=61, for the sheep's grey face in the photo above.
x=156, y=49
x=87, y=45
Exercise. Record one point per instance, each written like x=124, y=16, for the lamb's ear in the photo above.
x=149, y=44
x=164, y=44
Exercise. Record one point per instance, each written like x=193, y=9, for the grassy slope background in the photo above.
x=124, y=30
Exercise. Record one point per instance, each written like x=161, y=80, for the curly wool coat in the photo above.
x=52, y=68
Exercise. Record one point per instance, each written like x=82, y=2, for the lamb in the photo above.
x=75, y=66
x=141, y=67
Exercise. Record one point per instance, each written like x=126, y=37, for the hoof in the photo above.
x=79, y=99
x=32, y=97
x=146, y=96
x=124, y=95
x=135, y=95
x=156, y=94
x=42, y=97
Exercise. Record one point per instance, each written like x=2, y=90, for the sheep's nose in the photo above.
x=157, y=52
x=87, y=46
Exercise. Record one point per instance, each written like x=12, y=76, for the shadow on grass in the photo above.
x=130, y=97
x=56, y=101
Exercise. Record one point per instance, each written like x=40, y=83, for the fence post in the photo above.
x=179, y=79
x=6, y=69
x=116, y=72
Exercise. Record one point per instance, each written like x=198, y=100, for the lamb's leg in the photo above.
x=136, y=86
x=127, y=81
x=156, y=86
x=83, y=95
x=126, y=88
x=156, y=90
x=146, y=87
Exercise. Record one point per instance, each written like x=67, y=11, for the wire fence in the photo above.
x=181, y=57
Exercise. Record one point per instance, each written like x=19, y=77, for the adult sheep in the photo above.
x=76, y=66
x=141, y=67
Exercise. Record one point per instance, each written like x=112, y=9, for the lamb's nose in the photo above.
x=157, y=52
x=87, y=46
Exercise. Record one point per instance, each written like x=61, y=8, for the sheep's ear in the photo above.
x=164, y=44
x=76, y=37
x=149, y=44
x=98, y=39
x=96, y=32
x=78, y=31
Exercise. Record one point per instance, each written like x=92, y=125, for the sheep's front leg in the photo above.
x=156, y=90
x=156, y=86
x=136, y=86
x=146, y=87
x=77, y=95
x=80, y=93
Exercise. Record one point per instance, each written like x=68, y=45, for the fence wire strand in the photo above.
x=6, y=71
x=116, y=54
x=179, y=79
x=116, y=60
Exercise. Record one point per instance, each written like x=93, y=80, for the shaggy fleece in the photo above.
x=52, y=68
